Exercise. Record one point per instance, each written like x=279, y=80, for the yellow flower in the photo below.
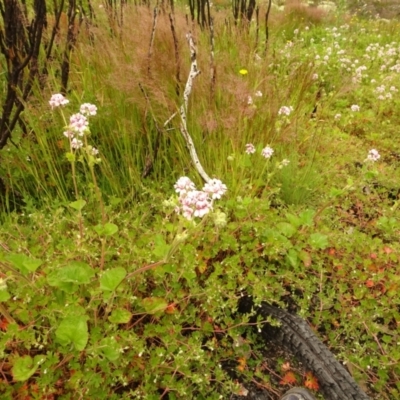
x=243, y=71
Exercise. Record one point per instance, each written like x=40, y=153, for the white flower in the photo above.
x=68, y=134
x=250, y=149
x=76, y=143
x=267, y=152
x=184, y=185
x=58, y=100
x=373, y=155
x=284, y=163
x=197, y=203
x=215, y=188
x=249, y=100
x=338, y=116
x=78, y=123
x=258, y=93
x=194, y=204
x=355, y=108
x=88, y=109
x=202, y=204
x=285, y=110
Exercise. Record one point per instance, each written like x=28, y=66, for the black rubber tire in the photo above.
x=295, y=335
x=298, y=393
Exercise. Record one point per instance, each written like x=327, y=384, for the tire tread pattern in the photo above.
x=295, y=335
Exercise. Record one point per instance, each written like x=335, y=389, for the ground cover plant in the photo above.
x=122, y=260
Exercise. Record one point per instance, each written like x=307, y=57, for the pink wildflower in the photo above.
x=373, y=155
x=250, y=149
x=76, y=143
x=215, y=189
x=78, y=123
x=88, y=109
x=58, y=100
x=285, y=110
x=267, y=152
x=184, y=185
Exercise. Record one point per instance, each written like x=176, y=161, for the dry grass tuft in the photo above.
x=124, y=60
x=298, y=13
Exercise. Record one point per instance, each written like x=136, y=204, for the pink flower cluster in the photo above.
x=197, y=203
x=88, y=109
x=373, y=155
x=58, y=100
x=285, y=110
x=78, y=123
x=266, y=152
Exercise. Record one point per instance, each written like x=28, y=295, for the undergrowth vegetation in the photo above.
x=110, y=288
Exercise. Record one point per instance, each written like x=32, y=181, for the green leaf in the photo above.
x=107, y=229
x=286, y=229
x=334, y=192
x=70, y=157
x=73, y=330
x=114, y=201
x=161, y=248
x=307, y=217
x=110, y=229
x=318, y=241
x=24, y=367
x=32, y=264
x=153, y=305
x=110, y=348
x=24, y=263
x=305, y=257
x=292, y=258
x=78, y=205
x=4, y=295
x=294, y=220
x=112, y=278
x=75, y=273
x=369, y=175
x=120, y=316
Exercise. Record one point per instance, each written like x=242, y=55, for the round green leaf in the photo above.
x=110, y=348
x=110, y=229
x=74, y=273
x=153, y=305
x=73, y=329
x=24, y=367
x=112, y=278
x=107, y=229
x=319, y=241
x=24, y=263
x=4, y=295
x=286, y=229
x=78, y=205
x=120, y=316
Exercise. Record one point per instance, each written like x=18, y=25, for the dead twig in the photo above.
x=183, y=109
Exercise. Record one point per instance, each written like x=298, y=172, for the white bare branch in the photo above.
x=188, y=88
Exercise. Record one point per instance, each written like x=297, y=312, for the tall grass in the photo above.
x=138, y=89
